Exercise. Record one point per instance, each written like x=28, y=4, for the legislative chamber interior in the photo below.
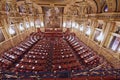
x=59, y=39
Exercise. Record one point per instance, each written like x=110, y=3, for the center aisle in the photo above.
x=50, y=55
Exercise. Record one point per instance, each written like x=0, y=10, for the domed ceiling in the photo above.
x=96, y=5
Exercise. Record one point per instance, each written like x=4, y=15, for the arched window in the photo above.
x=7, y=7
x=106, y=8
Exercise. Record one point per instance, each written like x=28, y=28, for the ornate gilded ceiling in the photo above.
x=97, y=6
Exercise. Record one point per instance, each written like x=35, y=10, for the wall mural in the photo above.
x=53, y=17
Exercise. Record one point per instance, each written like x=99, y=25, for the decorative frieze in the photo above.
x=106, y=16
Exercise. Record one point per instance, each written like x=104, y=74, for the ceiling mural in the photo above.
x=53, y=16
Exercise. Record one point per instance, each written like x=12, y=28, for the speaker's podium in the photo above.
x=53, y=32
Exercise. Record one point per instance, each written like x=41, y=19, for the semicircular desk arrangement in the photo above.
x=39, y=57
